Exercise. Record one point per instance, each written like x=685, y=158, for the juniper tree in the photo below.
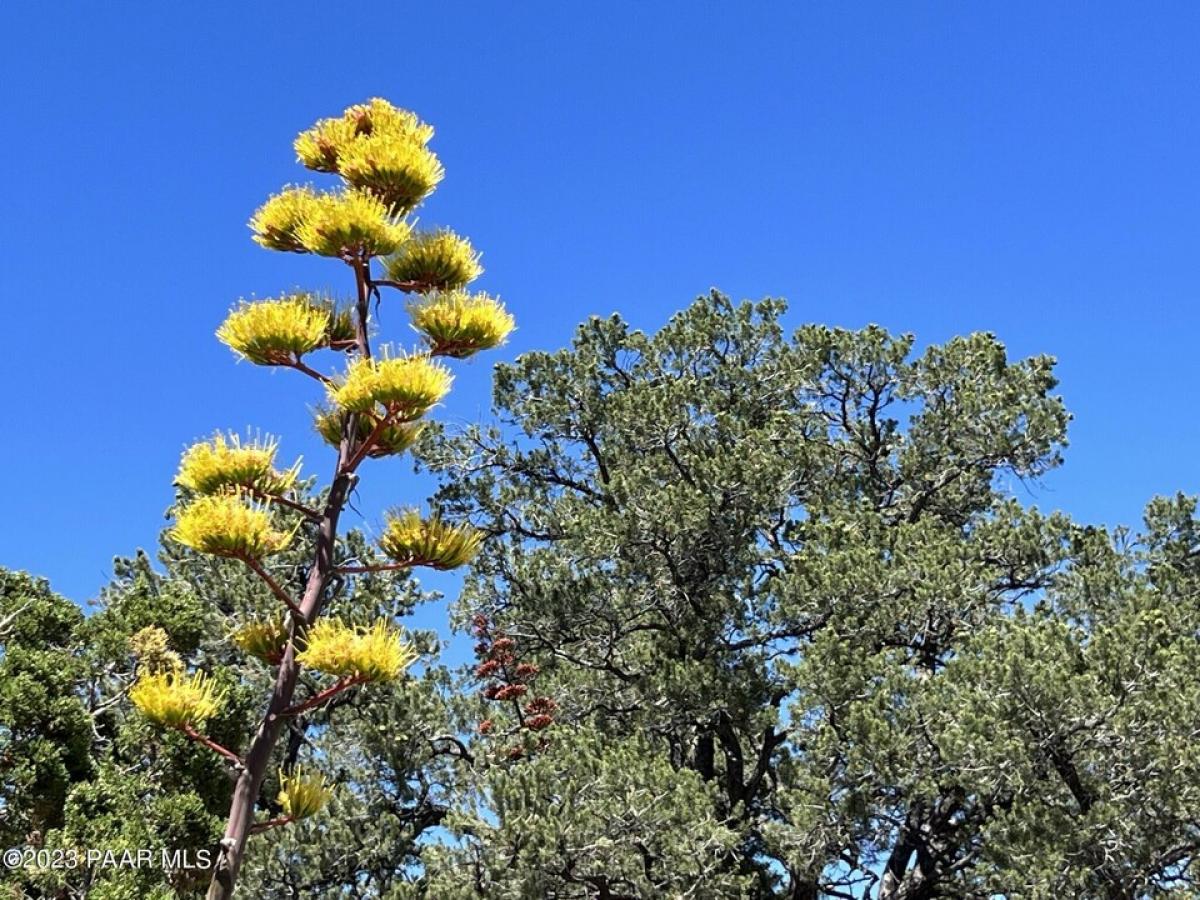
x=801, y=636
x=238, y=504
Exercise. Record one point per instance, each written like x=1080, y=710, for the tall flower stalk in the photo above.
x=236, y=504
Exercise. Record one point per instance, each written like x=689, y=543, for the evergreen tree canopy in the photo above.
x=802, y=638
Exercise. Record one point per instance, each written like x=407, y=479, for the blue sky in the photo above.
x=1025, y=168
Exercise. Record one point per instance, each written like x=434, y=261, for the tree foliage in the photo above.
x=786, y=583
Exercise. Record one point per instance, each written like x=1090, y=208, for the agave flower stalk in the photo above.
x=236, y=505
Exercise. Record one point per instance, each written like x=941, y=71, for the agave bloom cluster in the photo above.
x=275, y=331
x=393, y=439
x=378, y=653
x=435, y=260
x=276, y=222
x=227, y=525
x=216, y=465
x=350, y=224
x=405, y=386
x=458, y=324
x=175, y=699
x=264, y=639
x=302, y=795
x=411, y=540
x=320, y=147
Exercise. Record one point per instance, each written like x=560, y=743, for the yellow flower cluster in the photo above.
x=153, y=650
x=319, y=147
x=399, y=172
x=438, y=260
x=414, y=541
x=175, y=699
x=391, y=441
x=302, y=795
x=275, y=331
x=350, y=224
x=276, y=222
x=264, y=639
x=377, y=653
x=225, y=525
x=459, y=324
x=210, y=467
x=406, y=386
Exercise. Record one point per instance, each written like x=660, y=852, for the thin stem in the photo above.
x=383, y=567
x=260, y=827
x=279, y=592
x=368, y=442
x=306, y=511
x=317, y=699
x=196, y=736
x=300, y=366
x=408, y=287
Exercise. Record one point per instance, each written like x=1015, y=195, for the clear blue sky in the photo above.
x=1026, y=168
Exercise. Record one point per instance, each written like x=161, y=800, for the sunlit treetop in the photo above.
x=406, y=386
x=435, y=260
x=320, y=147
x=414, y=541
x=222, y=463
x=378, y=653
x=302, y=795
x=391, y=440
x=459, y=324
x=227, y=525
x=175, y=699
x=276, y=331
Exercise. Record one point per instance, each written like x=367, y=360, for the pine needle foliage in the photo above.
x=414, y=541
x=302, y=795
x=227, y=525
x=377, y=653
x=273, y=332
x=174, y=699
x=458, y=324
x=219, y=464
x=436, y=260
x=405, y=385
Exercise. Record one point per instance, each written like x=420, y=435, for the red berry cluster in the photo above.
x=508, y=681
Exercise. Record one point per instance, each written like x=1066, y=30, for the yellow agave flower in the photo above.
x=302, y=795
x=274, y=331
x=276, y=222
x=459, y=324
x=414, y=541
x=407, y=386
x=319, y=147
x=378, y=653
x=393, y=440
x=225, y=525
x=350, y=224
x=175, y=699
x=153, y=650
x=436, y=260
x=264, y=639
x=399, y=171
x=211, y=467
